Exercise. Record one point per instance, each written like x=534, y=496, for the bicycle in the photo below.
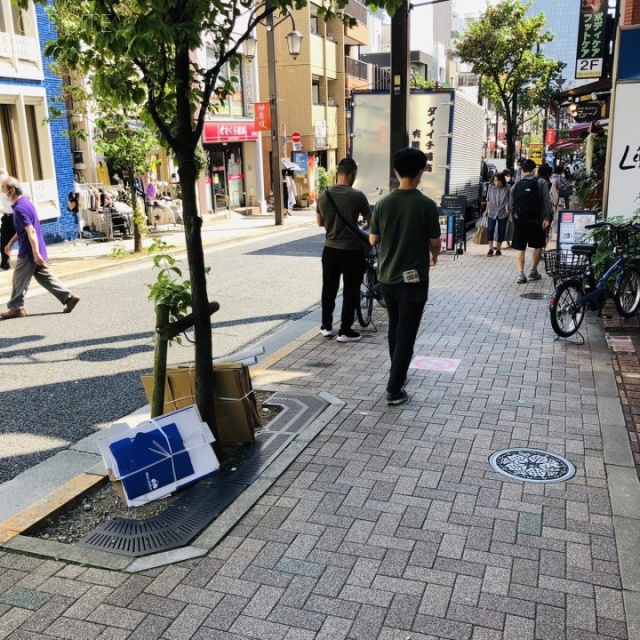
x=578, y=289
x=369, y=290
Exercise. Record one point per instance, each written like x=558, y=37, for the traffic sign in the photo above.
x=296, y=137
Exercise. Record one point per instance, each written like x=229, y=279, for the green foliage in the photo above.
x=169, y=288
x=118, y=252
x=503, y=47
x=422, y=83
x=324, y=179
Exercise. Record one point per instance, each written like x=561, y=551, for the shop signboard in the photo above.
x=624, y=186
x=453, y=208
x=535, y=152
x=262, y=116
x=229, y=131
x=301, y=158
x=572, y=226
x=588, y=111
x=592, y=43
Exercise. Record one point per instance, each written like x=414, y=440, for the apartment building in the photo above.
x=32, y=148
x=313, y=90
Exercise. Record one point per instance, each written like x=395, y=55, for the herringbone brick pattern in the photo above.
x=392, y=524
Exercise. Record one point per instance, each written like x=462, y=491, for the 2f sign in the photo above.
x=589, y=68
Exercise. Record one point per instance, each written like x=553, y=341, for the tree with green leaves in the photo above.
x=125, y=141
x=504, y=48
x=142, y=52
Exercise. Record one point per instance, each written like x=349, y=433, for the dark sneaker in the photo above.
x=534, y=275
x=490, y=252
x=521, y=279
x=348, y=335
x=327, y=333
x=498, y=252
x=393, y=399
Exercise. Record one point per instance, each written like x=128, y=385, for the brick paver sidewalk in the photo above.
x=392, y=524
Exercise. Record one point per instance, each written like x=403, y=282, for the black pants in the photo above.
x=405, y=304
x=350, y=265
x=7, y=231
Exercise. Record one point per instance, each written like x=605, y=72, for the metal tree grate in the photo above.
x=200, y=504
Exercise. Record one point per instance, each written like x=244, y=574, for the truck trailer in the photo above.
x=447, y=125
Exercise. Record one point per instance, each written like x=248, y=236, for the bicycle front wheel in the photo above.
x=364, y=310
x=626, y=296
x=566, y=316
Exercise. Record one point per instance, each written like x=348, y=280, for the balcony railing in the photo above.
x=356, y=10
x=356, y=68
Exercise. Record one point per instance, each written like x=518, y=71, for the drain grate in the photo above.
x=200, y=504
x=535, y=296
x=532, y=465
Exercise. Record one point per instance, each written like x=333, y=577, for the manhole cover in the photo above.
x=535, y=296
x=532, y=465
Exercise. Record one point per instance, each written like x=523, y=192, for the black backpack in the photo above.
x=527, y=203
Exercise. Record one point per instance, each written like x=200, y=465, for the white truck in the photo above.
x=447, y=125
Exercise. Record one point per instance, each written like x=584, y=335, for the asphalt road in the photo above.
x=64, y=376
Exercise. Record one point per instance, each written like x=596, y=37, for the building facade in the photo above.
x=32, y=148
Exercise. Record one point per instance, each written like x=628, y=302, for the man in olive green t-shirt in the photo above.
x=342, y=255
x=405, y=224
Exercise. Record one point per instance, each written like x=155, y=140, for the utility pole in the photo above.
x=400, y=68
x=276, y=180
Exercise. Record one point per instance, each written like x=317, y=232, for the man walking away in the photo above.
x=342, y=254
x=405, y=224
x=530, y=205
x=32, y=255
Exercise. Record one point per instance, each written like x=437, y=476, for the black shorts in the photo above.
x=528, y=234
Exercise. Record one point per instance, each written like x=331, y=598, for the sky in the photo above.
x=471, y=6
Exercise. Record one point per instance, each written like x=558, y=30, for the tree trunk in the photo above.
x=200, y=300
x=137, y=236
x=184, y=147
x=511, y=114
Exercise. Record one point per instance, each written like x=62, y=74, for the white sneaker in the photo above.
x=327, y=333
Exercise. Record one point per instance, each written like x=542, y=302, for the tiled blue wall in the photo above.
x=65, y=227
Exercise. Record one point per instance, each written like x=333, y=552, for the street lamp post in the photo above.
x=294, y=41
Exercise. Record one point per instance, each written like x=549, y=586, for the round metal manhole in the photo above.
x=532, y=465
x=535, y=296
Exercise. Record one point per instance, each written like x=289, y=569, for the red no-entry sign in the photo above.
x=296, y=137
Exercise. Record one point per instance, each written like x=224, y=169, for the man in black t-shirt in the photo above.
x=342, y=255
x=405, y=224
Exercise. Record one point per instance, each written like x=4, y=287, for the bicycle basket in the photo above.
x=563, y=264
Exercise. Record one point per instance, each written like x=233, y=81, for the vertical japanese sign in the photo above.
x=429, y=132
x=592, y=46
x=262, y=116
x=624, y=176
x=536, y=151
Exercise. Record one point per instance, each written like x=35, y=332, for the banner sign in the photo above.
x=301, y=158
x=535, y=152
x=230, y=131
x=550, y=136
x=262, y=116
x=591, y=40
x=624, y=186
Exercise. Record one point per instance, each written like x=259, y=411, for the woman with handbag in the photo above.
x=497, y=213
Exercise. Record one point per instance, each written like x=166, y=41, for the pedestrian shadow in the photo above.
x=5, y=343
x=305, y=247
x=107, y=355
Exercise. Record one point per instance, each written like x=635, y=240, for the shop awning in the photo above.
x=566, y=145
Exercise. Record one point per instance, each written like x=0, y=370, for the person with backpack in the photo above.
x=530, y=206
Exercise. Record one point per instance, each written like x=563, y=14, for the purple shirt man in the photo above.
x=32, y=255
x=25, y=214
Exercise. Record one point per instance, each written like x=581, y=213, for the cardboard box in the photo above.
x=151, y=460
x=234, y=402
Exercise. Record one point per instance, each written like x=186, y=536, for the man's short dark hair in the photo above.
x=347, y=166
x=409, y=162
x=544, y=171
x=528, y=165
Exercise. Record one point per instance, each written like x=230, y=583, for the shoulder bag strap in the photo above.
x=352, y=228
